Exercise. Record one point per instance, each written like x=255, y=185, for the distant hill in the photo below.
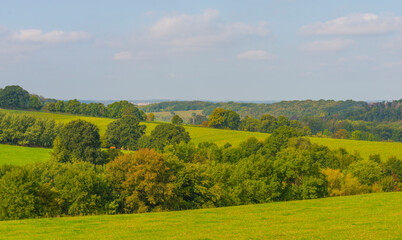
x=349, y=109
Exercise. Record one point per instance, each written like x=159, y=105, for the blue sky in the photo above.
x=203, y=50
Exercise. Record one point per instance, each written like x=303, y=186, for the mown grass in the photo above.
x=17, y=155
x=371, y=216
x=185, y=115
x=220, y=136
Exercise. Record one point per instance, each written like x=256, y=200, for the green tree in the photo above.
x=217, y=118
x=366, y=171
x=59, y=106
x=78, y=140
x=232, y=119
x=177, y=120
x=163, y=135
x=14, y=97
x=35, y=102
x=124, y=133
x=50, y=107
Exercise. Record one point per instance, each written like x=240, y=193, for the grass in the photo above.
x=220, y=136
x=17, y=155
x=167, y=116
x=371, y=216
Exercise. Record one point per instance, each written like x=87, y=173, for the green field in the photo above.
x=167, y=116
x=220, y=137
x=16, y=155
x=371, y=216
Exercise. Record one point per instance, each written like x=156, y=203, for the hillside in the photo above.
x=220, y=136
x=371, y=216
x=353, y=110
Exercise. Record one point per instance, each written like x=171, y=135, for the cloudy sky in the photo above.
x=208, y=50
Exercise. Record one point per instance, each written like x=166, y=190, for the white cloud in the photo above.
x=122, y=56
x=354, y=24
x=254, y=55
x=38, y=36
x=326, y=45
x=202, y=30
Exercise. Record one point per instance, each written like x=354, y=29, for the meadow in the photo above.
x=17, y=155
x=220, y=136
x=370, y=216
x=167, y=116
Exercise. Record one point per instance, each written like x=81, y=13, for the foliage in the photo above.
x=163, y=135
x=124, y=133
x=27, y=131
x=177, y=120
x=78, y=140
x=14, y=97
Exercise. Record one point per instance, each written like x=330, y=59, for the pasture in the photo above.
x=167, y=116
x=371, y=216
x=17, y=155
x=220, y=136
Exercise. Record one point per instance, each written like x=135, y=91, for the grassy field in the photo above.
x=16, y=155
x=167, y=116
x=371, y=216
x=220, y=137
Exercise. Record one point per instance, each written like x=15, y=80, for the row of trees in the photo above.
x=27, y=130
x=184, y=176
x=114, y=110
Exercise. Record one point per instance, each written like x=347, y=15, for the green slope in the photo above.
x=17, y=155
x=372, y=216
x=220, y=137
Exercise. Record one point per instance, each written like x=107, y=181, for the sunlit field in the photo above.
x=371, y=216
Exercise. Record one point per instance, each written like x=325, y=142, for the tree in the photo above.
x=217, y=118
x=232, y=119
x=78, y=140
x=150, y=117
x=341, y=134
x=124, y=133
x=268, y=123
x=144, y=181
x=177, y=120
x=59, y=106
x=14, y=97
x=221, y=118
x=35, y=102
x=50, y=107
x=163, y=135
x=366, y=171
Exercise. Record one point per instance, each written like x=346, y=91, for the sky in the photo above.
x=203, y=50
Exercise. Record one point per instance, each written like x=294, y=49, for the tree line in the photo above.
x=342, y=129
x=175, y=174
x=326, y=109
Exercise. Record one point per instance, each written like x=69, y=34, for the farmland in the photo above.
x=371, y=216
x=220, y=136
x=17, y=155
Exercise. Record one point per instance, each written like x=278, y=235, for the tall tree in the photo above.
x=78, y=140
x=124, y=133
x=14, y=97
